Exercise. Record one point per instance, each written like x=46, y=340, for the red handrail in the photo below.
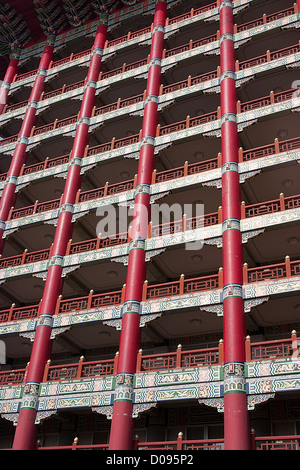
x=178, y=359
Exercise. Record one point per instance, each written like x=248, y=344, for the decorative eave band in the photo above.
x=147, y=140
x=22, y=139
x=83, y=120
x=234, y=377
x=142, y=188
x=42, y=72
x=5, y=85
x=51, y=40
x=103, y=18
x=228, y=74
x=30, y=396
x=155, y=61
x=137, y=244
x=228, y=117
x=151, y=99
x=229, y=166
x=231, y=224
x=44, y=320
x=226, y=37
x=124, y=387
x=226, y=3
x=32, y=104
x=66, y=207
x=56, y=260
x=232, y=290
x=91, y=84
x=159, y=28
x=11, y=179
x=75, y=161
x=97, y=51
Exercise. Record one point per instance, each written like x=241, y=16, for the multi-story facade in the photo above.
x=179, y=333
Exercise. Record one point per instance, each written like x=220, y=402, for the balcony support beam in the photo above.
x=236, y=421
x=25, y=435
x=122, y=426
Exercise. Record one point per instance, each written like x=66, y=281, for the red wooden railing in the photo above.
x=183, y=286
x=162, y=130
x=257, y=443
x=264, y=350
x=190, y=81
x=281, y=204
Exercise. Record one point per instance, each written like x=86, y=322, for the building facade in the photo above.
x=149, y=218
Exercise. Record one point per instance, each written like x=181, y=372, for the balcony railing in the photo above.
x=183, y=286
x=179, y=359
x=186, y=170
x=257, y=443
x=179, y=226
x=190, y=81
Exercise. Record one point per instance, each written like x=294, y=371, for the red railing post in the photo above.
x=178, y=356
x=46, y=371
x=58, y=304
x=252, y=440
x=144, y=293
x=75, y=443
x=179, y=441
x=11, y=311
x=243, y=210
x=288, y=266
x=220, y=278
x=295, y=346
x=139, y=361
x=281, y=200
x=79, y=369
x=135, y=442
x=221, y=352
x=90, y=298
x=123, y=293
x=181, y=284
x=248, y=348
x=245, y=273
x=219, y=160
x=116, y=358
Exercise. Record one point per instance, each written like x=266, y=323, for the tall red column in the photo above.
x=26, y=429
x=236, y=425
x=11, y=71
x=122, y=426
x=19, y=157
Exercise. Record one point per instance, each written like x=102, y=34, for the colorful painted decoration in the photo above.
x=14, y=31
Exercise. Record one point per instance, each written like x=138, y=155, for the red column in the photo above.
x=122, y=426
x=11, y=71
x=236, y=425
x=19, y=157
x=26, y=429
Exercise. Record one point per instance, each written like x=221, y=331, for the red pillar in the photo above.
x=236, y=425
x=122, y=426
x=11, y=71
x=19, y=157
x=26, y=429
